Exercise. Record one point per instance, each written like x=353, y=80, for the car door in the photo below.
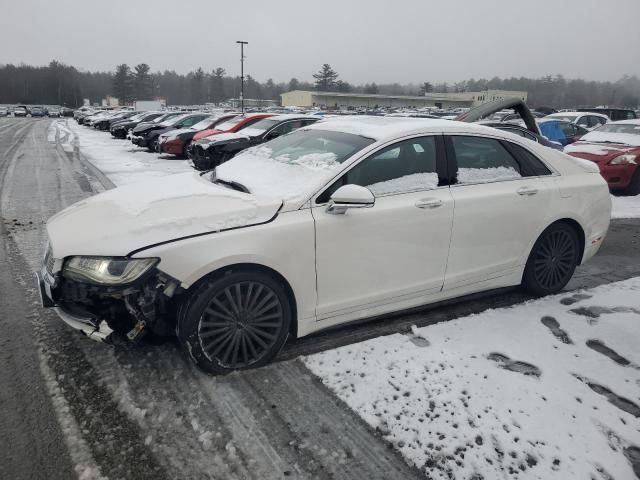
x=501, y=199
x=374, y=260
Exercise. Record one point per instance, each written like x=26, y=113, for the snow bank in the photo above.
x=513, y=391
x=121, y=161
x=625, y=207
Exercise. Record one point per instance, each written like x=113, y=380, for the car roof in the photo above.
x=292, y=116
x=560, y=114
x=633, y=121
x=379, y=128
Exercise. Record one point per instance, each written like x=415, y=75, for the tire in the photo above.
x=185, y=150
x=153, y=146
x=238, y=321
x=552, y=260
x=633, y=188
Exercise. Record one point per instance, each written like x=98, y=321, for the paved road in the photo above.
x=69, y=405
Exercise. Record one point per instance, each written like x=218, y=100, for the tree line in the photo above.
x=60, y=84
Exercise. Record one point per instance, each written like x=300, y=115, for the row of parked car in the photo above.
x=35, y=111
x=209, y=139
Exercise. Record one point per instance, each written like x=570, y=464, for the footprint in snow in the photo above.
x=600, y=347
x=553, y=325
x=616, y=400
x=507, y=363
x=594, y=312
x=633, y=455
x=574, y=298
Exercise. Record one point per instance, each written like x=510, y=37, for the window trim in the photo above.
x=441, y=167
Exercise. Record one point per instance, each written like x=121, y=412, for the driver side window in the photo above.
x=403, y=167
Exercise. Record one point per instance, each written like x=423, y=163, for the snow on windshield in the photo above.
x=202, y=124
x=480, y=175
x=174, y=120
x=292, y=164
x=259, y=127
x=281, y=176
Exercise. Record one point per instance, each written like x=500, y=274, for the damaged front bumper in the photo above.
x=92, y=328
x=101, y=312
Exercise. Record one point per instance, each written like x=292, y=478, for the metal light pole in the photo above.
x=242, y=44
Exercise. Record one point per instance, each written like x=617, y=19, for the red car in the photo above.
x=615, y=147
x=233, y=125
x=176, y=142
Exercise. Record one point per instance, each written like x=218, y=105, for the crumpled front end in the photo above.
x=100, y=311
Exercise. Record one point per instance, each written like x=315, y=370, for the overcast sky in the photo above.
x=382, y=41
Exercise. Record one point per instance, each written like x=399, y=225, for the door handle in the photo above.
x=429, y=203
x=527, y=191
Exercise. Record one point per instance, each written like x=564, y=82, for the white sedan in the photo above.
x=346, y=219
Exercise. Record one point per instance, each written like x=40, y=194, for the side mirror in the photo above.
x=350, y=196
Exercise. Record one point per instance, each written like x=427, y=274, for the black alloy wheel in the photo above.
x=236, y=322
x=552, y=261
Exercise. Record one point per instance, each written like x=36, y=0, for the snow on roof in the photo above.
x=379, y=128
x=634, y=121
x=292, y=116
x=576, y=114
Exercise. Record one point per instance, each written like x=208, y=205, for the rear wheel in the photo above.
x=238, y=321
x=552, y=261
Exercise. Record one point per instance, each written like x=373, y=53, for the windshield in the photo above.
x=161, y=118
x=174, y=120
x=229, y=124
x=292, y=164
x=260, y=127
x=203, y=124
x=138, y=116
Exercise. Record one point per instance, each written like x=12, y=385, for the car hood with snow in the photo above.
x=604, y=146
x=221, y=138
x=125, y=219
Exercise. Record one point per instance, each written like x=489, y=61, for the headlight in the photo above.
x=107, y=270
x=624, y=160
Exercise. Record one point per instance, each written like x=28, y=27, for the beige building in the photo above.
x=337, y=100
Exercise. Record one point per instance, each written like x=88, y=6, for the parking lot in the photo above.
x=147, y=412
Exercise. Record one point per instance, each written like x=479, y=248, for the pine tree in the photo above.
x=426, y=88
x=122, y=84
x=142, y=82
x=326, y=78
x=217, y=85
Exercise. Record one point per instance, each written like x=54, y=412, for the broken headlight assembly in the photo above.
x=107, y=271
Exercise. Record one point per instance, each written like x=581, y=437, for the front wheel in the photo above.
x=552, y=260
x=238, y=321
x=634, y=186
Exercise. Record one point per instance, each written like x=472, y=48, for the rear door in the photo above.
x=500, y=202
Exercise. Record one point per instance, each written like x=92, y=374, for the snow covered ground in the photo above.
x=625, y=207
x=120, y=160
x=548, y=389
